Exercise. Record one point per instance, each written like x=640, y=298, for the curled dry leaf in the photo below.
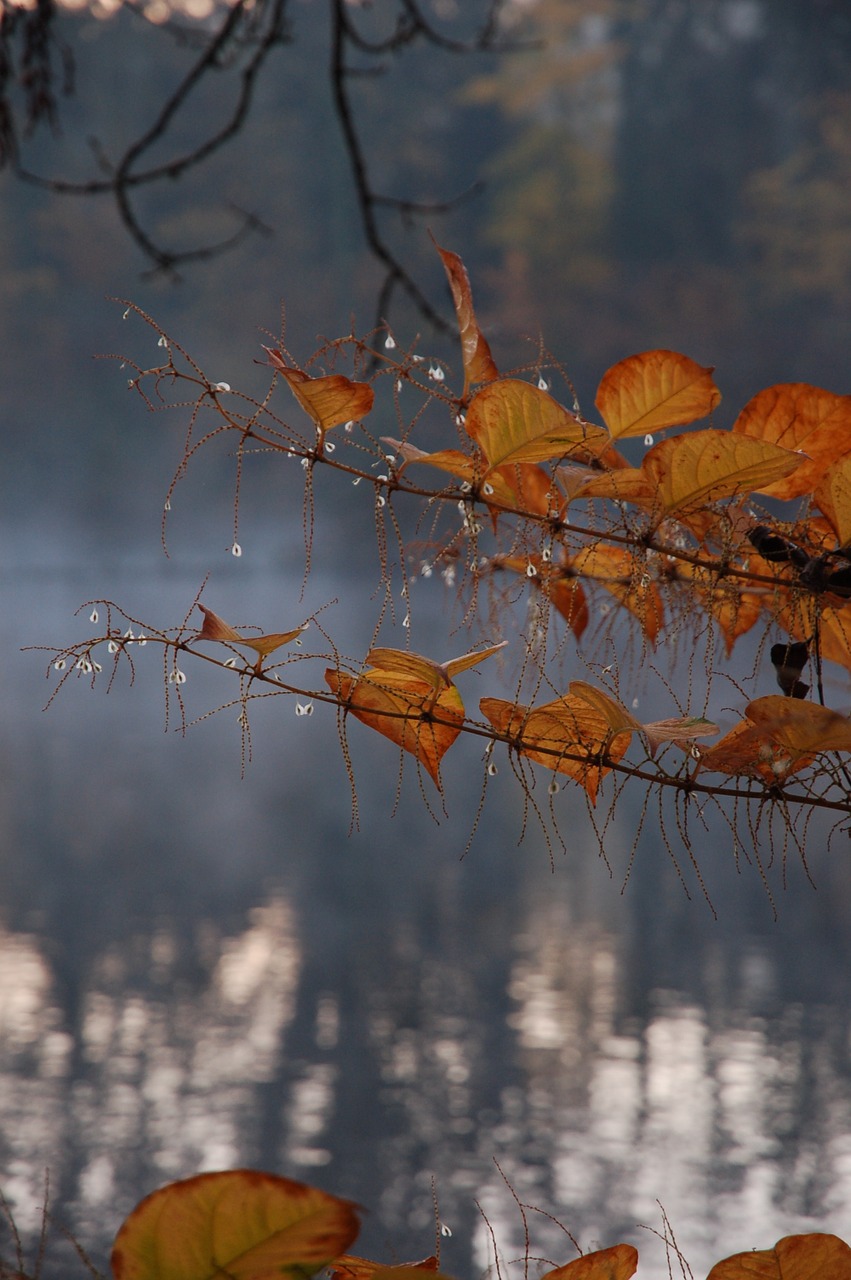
x=478, y=361
x=616, y=1263
x=567, y=735
x=330, y=400
x=817, y=1256
x=809, y=420
x=519, y=488
x=241, y=1224
x=215, y=628
x=654, y=390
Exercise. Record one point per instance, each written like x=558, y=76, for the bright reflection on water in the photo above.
x=198, y=973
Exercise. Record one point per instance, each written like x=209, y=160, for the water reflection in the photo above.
x=197, y=973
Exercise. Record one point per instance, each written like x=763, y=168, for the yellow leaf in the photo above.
x=689, y=470
x=566, y=735
x=514, y=421
x=403, y=707
x=808, y=1257
x=833, y=497
x=403, y=662
x=478, y=362
x=617, y=1263
x=241, y=1224
x=613, y=712
x=797, y=416
x=654, y=390
x=329, y=400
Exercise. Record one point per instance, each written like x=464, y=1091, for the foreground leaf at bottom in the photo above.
x=617, y=1263
x=241, y=1224
x=808, y=1257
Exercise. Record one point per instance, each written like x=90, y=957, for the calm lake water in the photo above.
x=198, y=972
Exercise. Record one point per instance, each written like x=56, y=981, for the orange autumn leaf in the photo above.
x=566, y=735
x=802, y=728
x=746, y=752
x=615, y=569
x=654, y=390
x=405, y=708
x=807, y=419
x=241, y=1224
x=513, y=421
x=520, y=487
x=616, y=1263
x=476, y=354
x=329, y=400
x=215, y=628
x=833, y=496
x=816, y=1256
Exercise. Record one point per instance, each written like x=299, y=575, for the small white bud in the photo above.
x=236, y=550
x=59, y=664
x=389, y=343
x=93, y=616
x=163, y=342
x=648, y=440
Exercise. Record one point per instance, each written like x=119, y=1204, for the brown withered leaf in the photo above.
x=814, y=422
x=403, y=707
x=683, y=731
x=654, y=390
x=478, y=361
x=215, y=628
x=329, y=400
x=815, y=1256
x=616, y=1263
x=546, y=734
x=350, y=1267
